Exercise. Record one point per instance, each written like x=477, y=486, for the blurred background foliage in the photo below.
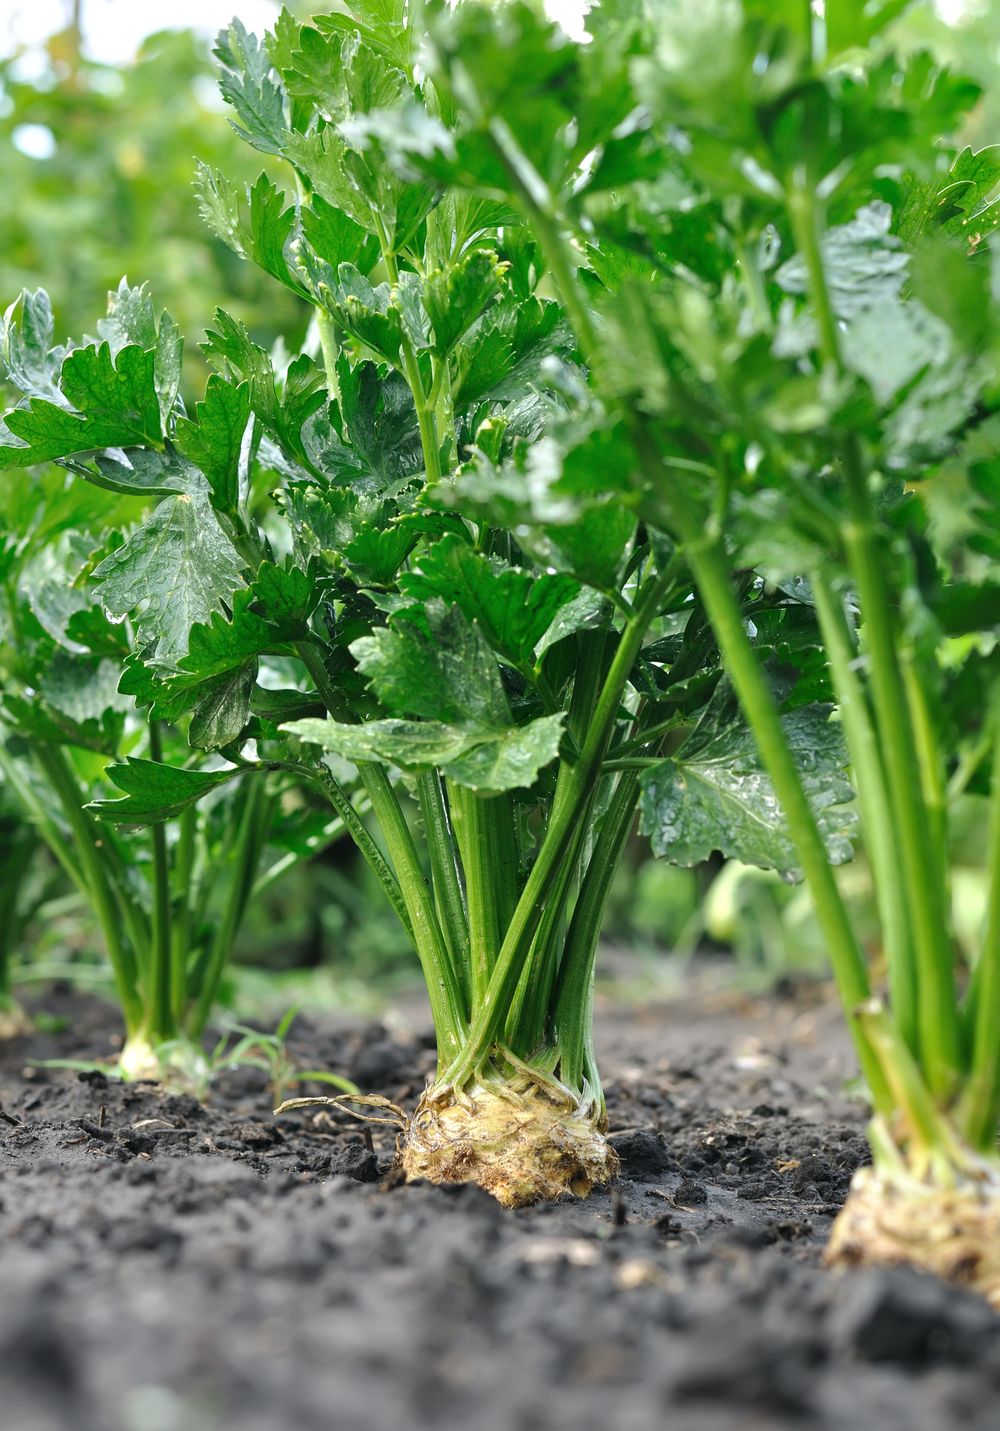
x=99, y=160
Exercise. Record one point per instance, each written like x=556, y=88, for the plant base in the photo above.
x=952, y=1232
x=139, y=1061
x=522, y=1147
x=13, y=1020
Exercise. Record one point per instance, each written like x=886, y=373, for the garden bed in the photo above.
x=169, y=1267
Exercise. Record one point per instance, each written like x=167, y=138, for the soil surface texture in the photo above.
x=171, y=1267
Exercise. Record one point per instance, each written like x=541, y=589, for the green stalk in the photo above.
x=937, y=1010
x=474, y=831
x=876, y=812
x=440, y=969
x=930, y=1135
x=573, y=996
x=407, y=876
x=447, y=884
x=980, y=1108
x=443, y=983
x=254, y=821
x=42, y=821
x=330, y=348
x=160, y=1025
x=526, y=1028
x=89, y=841
x=709, y=567
x=184, y=861
x=567, y=813
x=351, y=821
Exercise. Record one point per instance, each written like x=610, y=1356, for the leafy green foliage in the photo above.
x=636, y=365
x=114, y=195
x=714, y=794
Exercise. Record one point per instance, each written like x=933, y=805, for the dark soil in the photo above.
x=171, y=1267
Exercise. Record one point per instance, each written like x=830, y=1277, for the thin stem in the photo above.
x=710, y=568
x=351, y=821
x=527, y=1017
x=876, y=812
x=473, y=830
x=330, y=348
x=937, y=1011
x=407, y=876
x=183, y=895
x=254, y=820
x=573, y=1001
x=42, y=820
x=160, y=1024
x=16, y=863
x=928, y=1131
x=443, y=984
x=88, y=840
x=444, y=868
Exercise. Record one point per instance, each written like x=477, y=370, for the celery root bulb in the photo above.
x=522, y=1147
x=953, y=1232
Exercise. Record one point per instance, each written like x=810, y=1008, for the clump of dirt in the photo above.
x=199, y=1268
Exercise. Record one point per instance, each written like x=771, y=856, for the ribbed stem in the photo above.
x=254, y=822
x=160, y=1025
x=567, y=814
x=876, y=811
x=573, y=998
x=937, y=1010
x=87, y=838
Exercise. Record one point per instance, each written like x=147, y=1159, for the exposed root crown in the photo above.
x=13, y=1021
x=522, y=1147
x=952, y=1232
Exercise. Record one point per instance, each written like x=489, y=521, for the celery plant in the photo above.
x=426, y=520
x=168, y=881
x=778, y=271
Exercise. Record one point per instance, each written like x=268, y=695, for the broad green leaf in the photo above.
x=27, y=357
x=249, y=84
x=223, y=709
x=367, y=313
x=457, y=296
x=213, y=440
x=263, y=618
x=142, y=471
x=445, y=672
x=715, y=796
x=174, y=571
x=336, y=238
x=864, y=262
x=131, y=321
x=375, y=553
x=513, y=609
x=282, y=413
x=116, y=406
x=77, y=703
x=381, y=24
x=263, y=235
x=155, y=792
x=378, y=447
x=489, y=761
